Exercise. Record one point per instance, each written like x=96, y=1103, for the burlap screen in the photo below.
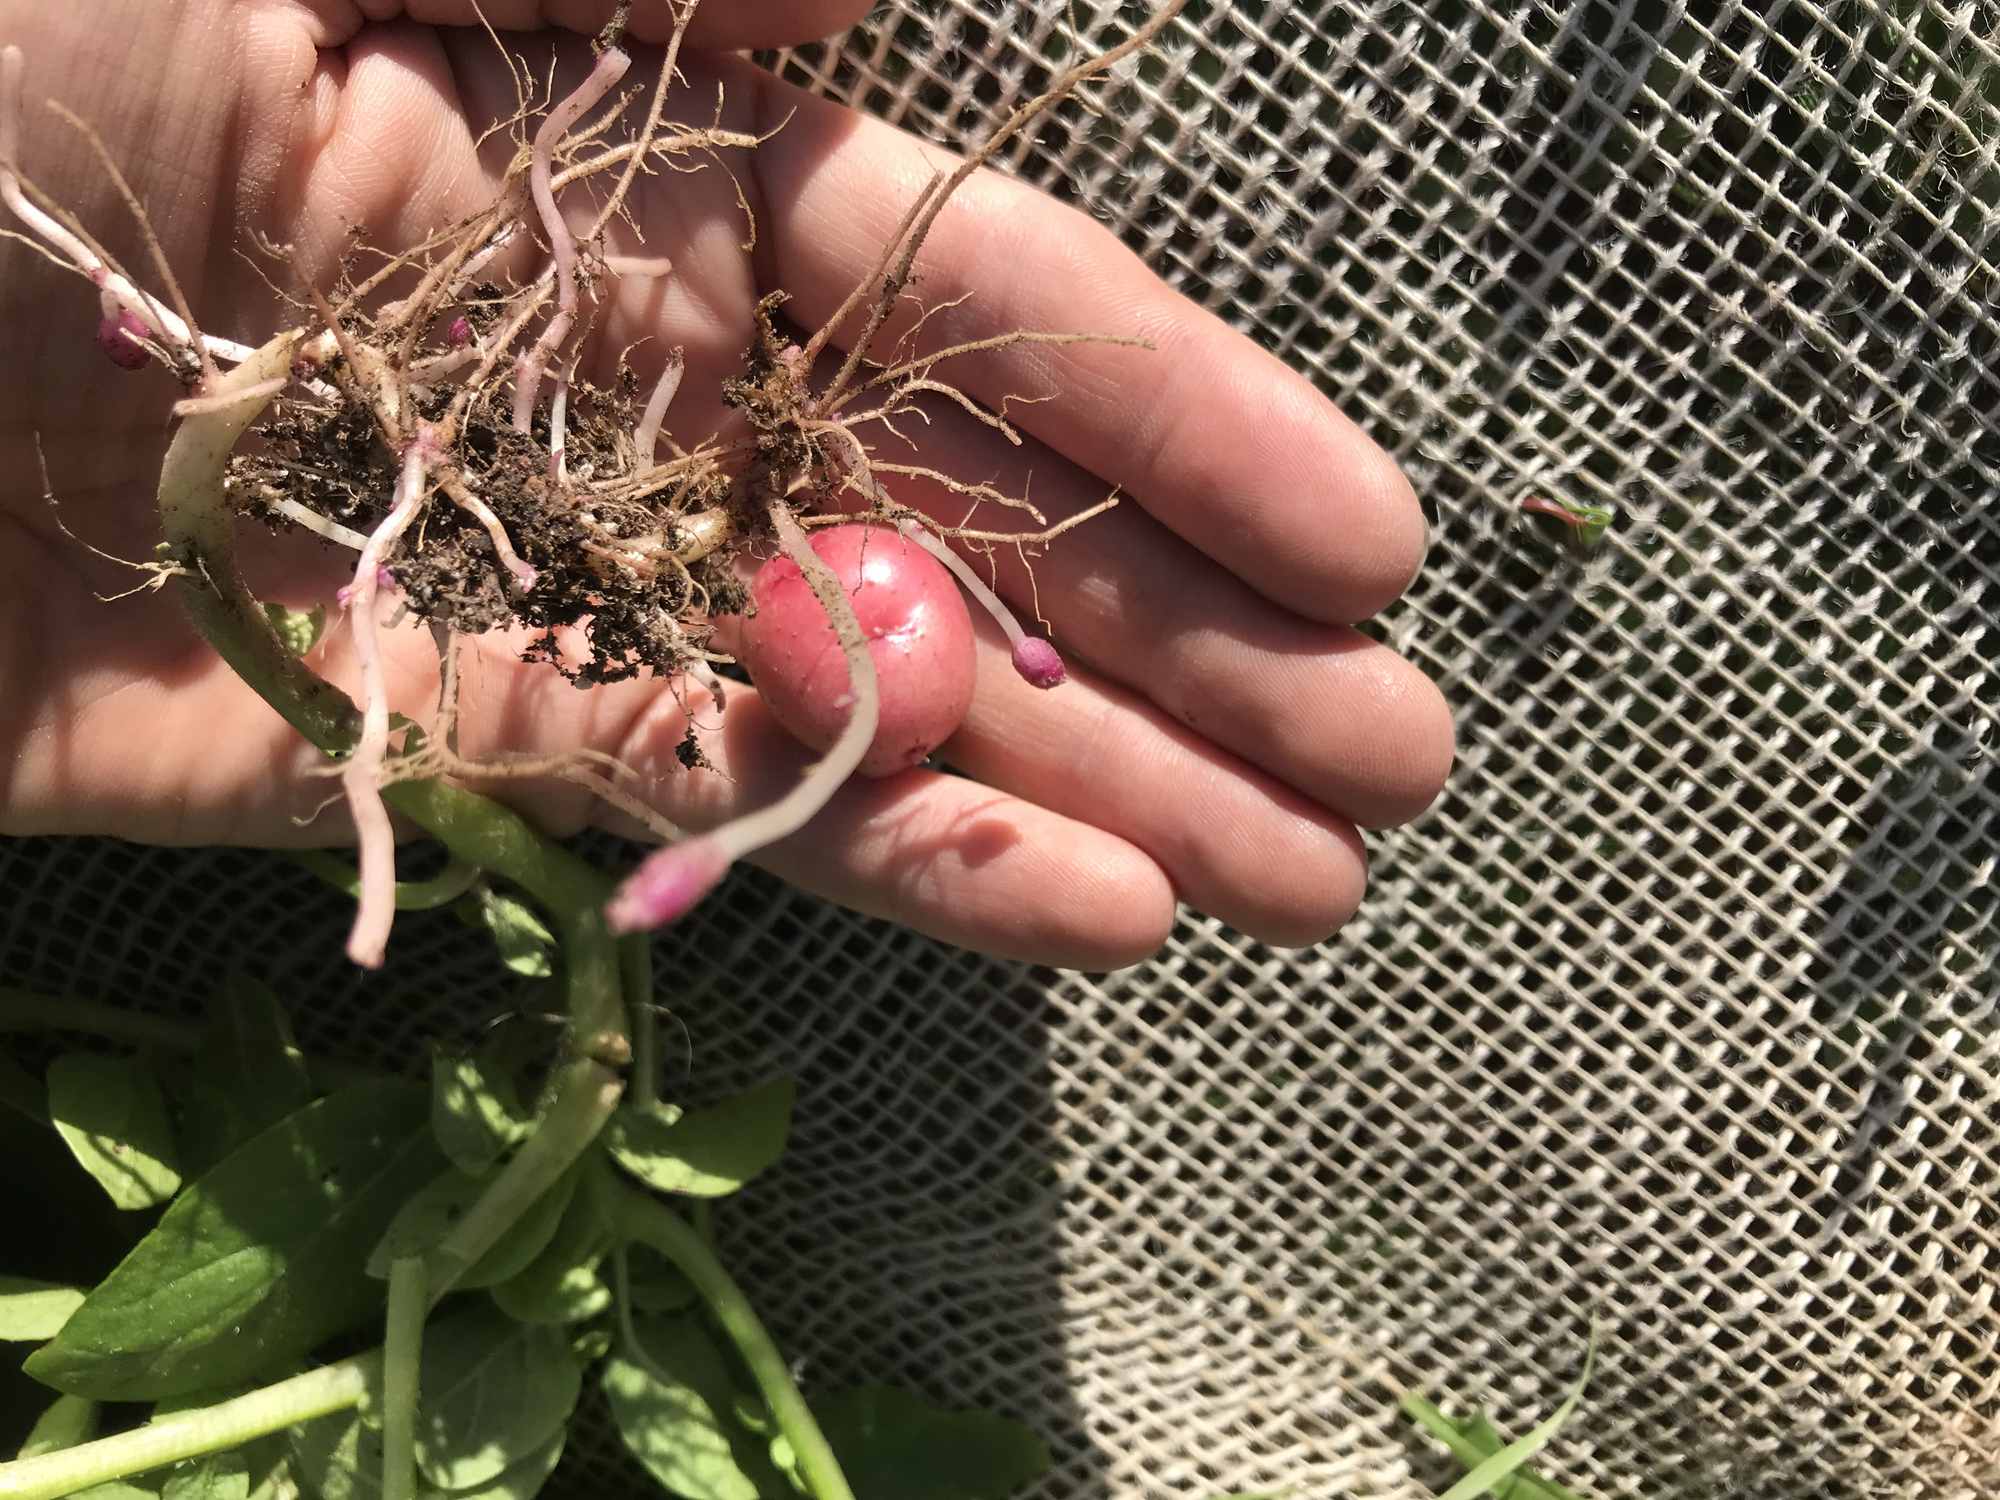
x=1678, y=1009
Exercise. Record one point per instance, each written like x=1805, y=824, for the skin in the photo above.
x=1225, y=731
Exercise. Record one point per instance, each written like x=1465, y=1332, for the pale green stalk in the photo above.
x=652, y=1223
x=402, y=1369
x=190, y=1434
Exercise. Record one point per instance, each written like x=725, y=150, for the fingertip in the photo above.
x=1419, y=760
x=1386, y=533
x=1326, y=890
x=1130, y=906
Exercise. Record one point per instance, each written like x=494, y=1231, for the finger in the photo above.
x=960, y=862
x=1236, y=844
x=1237, y=454
x=730, y=24
x=1321, y=707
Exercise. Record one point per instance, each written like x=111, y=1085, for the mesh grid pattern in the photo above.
x=1679, y=1007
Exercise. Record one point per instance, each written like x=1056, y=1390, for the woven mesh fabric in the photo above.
x=1679, y=1007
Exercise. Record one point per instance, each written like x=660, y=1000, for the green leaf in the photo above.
x=476, y=1112
x=247, y=1075
x=68, y=1421
x=113, y=1118
x=219, y=1476
x=300, y=630
x=256, y=1263
x=526, y=945
x=493, y=1392
x=250, y=1044
x=707, y=1152
x=273, y=1480
x=1482, y=1434
x=563, y=1284
x=438, y=1206
x=520, y=1480
x=116, y=1489
x=656, y=1284
x=673, y=1401
x=896, y=1446
x=1503, y=1472
x=34, y=1310
x=340, y=1458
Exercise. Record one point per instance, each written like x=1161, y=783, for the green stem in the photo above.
x=21, y=1010
x=651, y=1223
x=199, y=525
x=584, y=1096
x=190, y=1434
x=453, y=881
x=402, y=1364
x=636, y=952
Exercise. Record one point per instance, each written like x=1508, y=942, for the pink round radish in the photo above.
x=917, y=629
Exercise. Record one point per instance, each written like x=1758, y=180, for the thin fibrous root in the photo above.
x=671, y=880
x=892, y=270
x=596, y=772
x=646, y=267
x=105, y=160
x=1038, y=662
x=76, y=252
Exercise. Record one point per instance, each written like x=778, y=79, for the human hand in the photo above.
x=1224, y=730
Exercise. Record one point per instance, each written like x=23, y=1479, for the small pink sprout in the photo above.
x=1035, y=659
x=1587, y=522
x=668, y=885
x=1039, y=663
x=122, y=336
x=459, y=334
x=344, y=595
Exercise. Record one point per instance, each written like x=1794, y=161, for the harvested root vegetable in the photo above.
x=917, y=629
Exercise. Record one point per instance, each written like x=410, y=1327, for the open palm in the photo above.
x=1225, y=730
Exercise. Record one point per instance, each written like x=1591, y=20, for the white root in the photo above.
x=165, y=327
x=361, y=777
x=522, y=571
x=646, y=436
x=603, y=78
x=313, y=521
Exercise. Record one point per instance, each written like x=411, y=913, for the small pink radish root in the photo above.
x=916, y=627
x=122, y=335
